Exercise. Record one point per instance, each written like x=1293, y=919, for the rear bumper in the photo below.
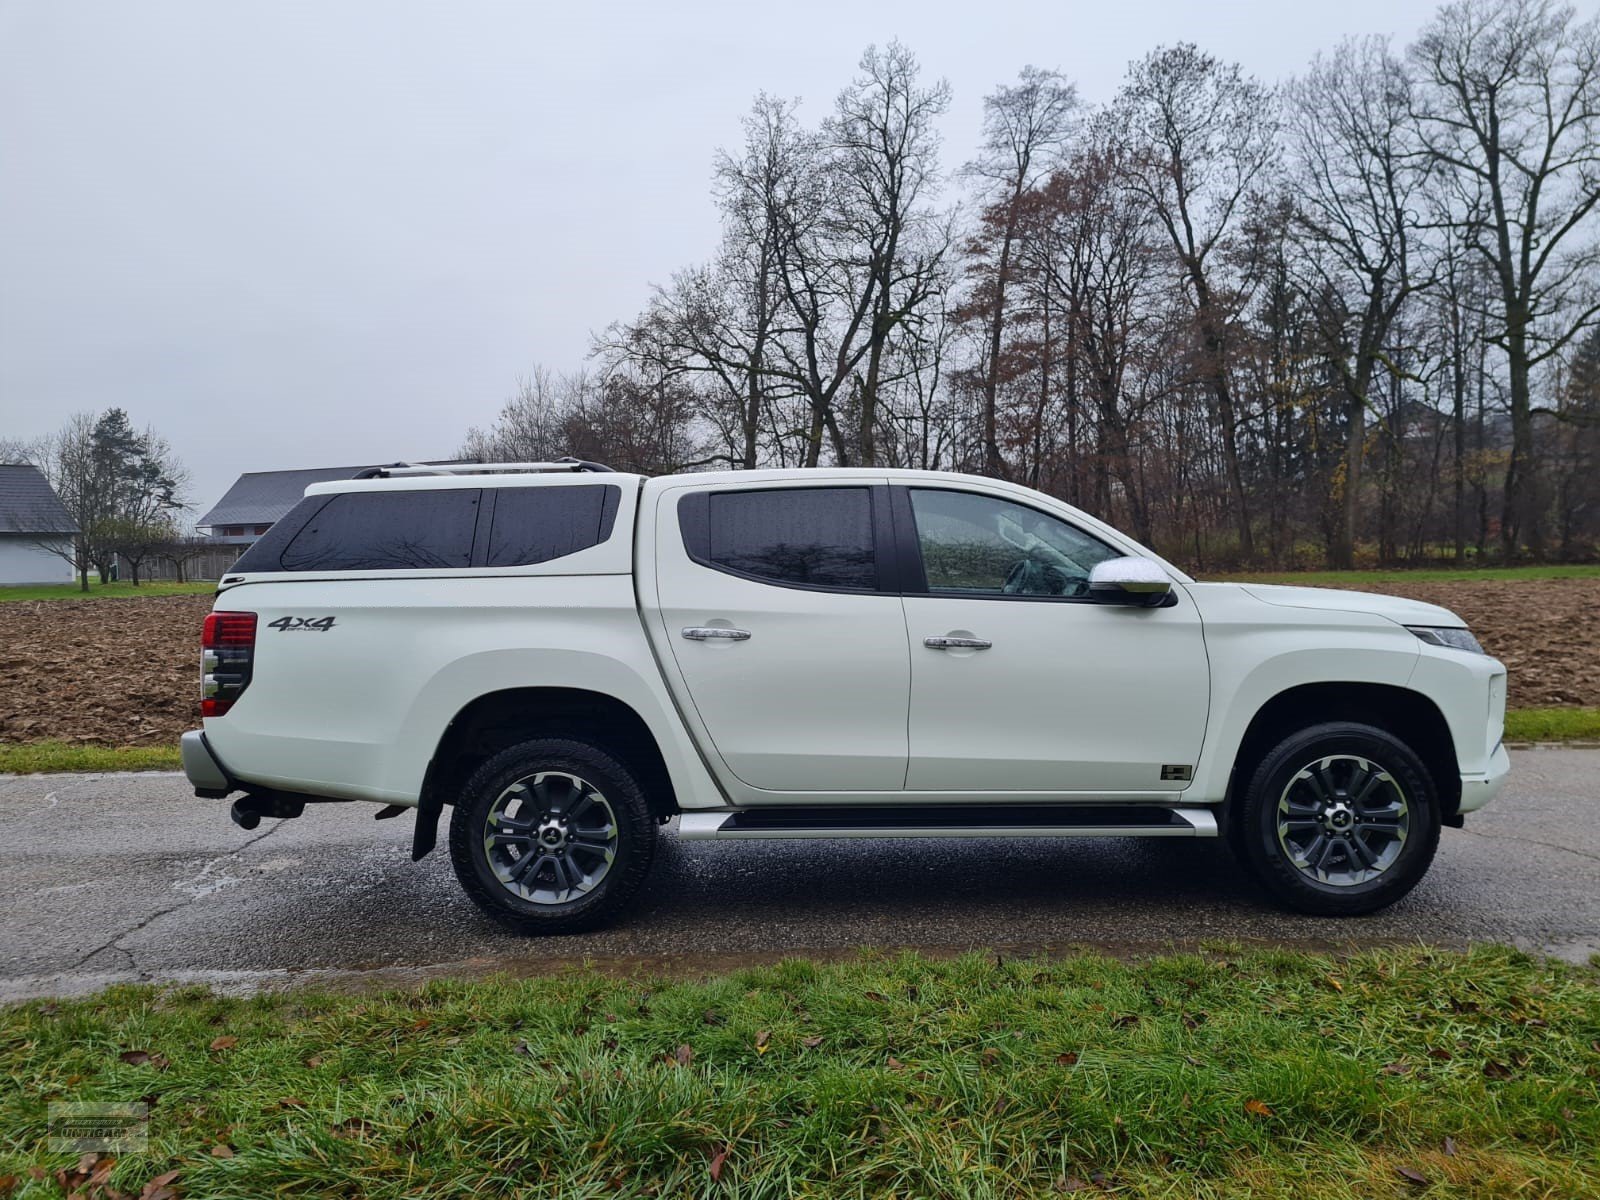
x=1478, y=790
x=200, y=764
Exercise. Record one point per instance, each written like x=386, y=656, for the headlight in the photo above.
x=1447, y=635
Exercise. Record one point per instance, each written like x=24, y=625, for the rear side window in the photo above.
x=536, y=524
x=267, y=551
x=807, y=537
x=386, y=531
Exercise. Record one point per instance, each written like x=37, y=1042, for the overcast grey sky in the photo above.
x=306, y=234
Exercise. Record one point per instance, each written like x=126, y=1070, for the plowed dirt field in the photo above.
x=116, y=672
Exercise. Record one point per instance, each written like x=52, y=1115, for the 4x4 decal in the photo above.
x=285, y=624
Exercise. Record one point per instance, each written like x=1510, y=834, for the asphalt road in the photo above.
x=115, y=878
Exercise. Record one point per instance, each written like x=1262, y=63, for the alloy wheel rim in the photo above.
x=550, y=837
x=1343, y=819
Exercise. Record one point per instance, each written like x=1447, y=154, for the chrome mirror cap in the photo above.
x=1130, y=580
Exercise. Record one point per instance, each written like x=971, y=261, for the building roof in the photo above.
x=28, y=504
x=261, y=497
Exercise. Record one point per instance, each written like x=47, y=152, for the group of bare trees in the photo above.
x=1351, y=315
x=122, y=487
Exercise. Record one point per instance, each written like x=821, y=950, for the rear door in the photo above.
x=786, y=639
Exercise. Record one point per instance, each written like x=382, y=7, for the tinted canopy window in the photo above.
x=387, y=531
x=536, y=524
x=265, y=553
x=816, y=536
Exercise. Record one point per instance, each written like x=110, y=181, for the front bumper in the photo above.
x=1478, y=790
x=209, y=776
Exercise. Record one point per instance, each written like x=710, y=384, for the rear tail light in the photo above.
x=227, y=653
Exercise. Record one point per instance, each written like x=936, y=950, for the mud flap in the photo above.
x=426, y=834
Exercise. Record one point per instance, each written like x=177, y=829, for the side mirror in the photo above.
x=1137, y=582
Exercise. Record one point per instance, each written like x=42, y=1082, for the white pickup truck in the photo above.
x=571, y=657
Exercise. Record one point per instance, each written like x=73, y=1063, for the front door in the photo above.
x=785, y=648
x=1020, y=682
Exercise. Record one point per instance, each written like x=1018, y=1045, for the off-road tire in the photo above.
x=1253, y=827
x=635, y=848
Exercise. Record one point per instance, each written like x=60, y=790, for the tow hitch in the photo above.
x=248, y=810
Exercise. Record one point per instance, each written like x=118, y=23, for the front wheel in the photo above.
x=551, y=836
x=1338, y=820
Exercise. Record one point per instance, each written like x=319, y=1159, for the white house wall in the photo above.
x=23, y=560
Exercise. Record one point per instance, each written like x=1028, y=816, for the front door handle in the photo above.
x=714, y=633
x=956, y=643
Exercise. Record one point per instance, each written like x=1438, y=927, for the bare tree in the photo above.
x=855, y=251
x=1025, y=130
x=716, y=324
x=789, y=185
x=1198, y=134
x=1461, y=301
x=637, y=421
x=1105, y=267
x=14, y=451
x=1511, y=108
x=185, y=548
x=69, y=462
x=626, y=419
x=1149, y=316
x=885, y=136
x=1577, y=437
x=731, y=326
x=692, y=334
x=530, y=426
x=1358, y=168
x=136, y=541
x=928, y=426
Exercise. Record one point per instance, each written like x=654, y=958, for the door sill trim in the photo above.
x=951, y=821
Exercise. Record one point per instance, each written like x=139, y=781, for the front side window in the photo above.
x=983, y=546
x=386, y=531
x=808, y=537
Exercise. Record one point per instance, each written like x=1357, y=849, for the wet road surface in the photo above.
x=120, y=878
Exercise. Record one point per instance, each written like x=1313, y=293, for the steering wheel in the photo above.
x=1016, y=583
x=1070, y=586
x=1029, y=577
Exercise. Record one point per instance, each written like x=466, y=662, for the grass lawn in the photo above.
x=36, y=757
x=1553, y=725
x=1419, y=575
x=1393, y=1073
x=102, y=591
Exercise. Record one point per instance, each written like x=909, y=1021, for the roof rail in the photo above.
x=395, y=470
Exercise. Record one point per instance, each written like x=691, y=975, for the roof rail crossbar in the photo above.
x=395, y=470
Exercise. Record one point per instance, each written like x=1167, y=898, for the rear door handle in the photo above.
x=956, y=643
x=713, y=633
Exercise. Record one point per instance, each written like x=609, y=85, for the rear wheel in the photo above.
x=1338, y=819
x=551, y=836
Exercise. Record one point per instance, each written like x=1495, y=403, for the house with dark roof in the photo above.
x=36, y=531
x=259, y=498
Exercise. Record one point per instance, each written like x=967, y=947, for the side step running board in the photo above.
x=951, y=821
